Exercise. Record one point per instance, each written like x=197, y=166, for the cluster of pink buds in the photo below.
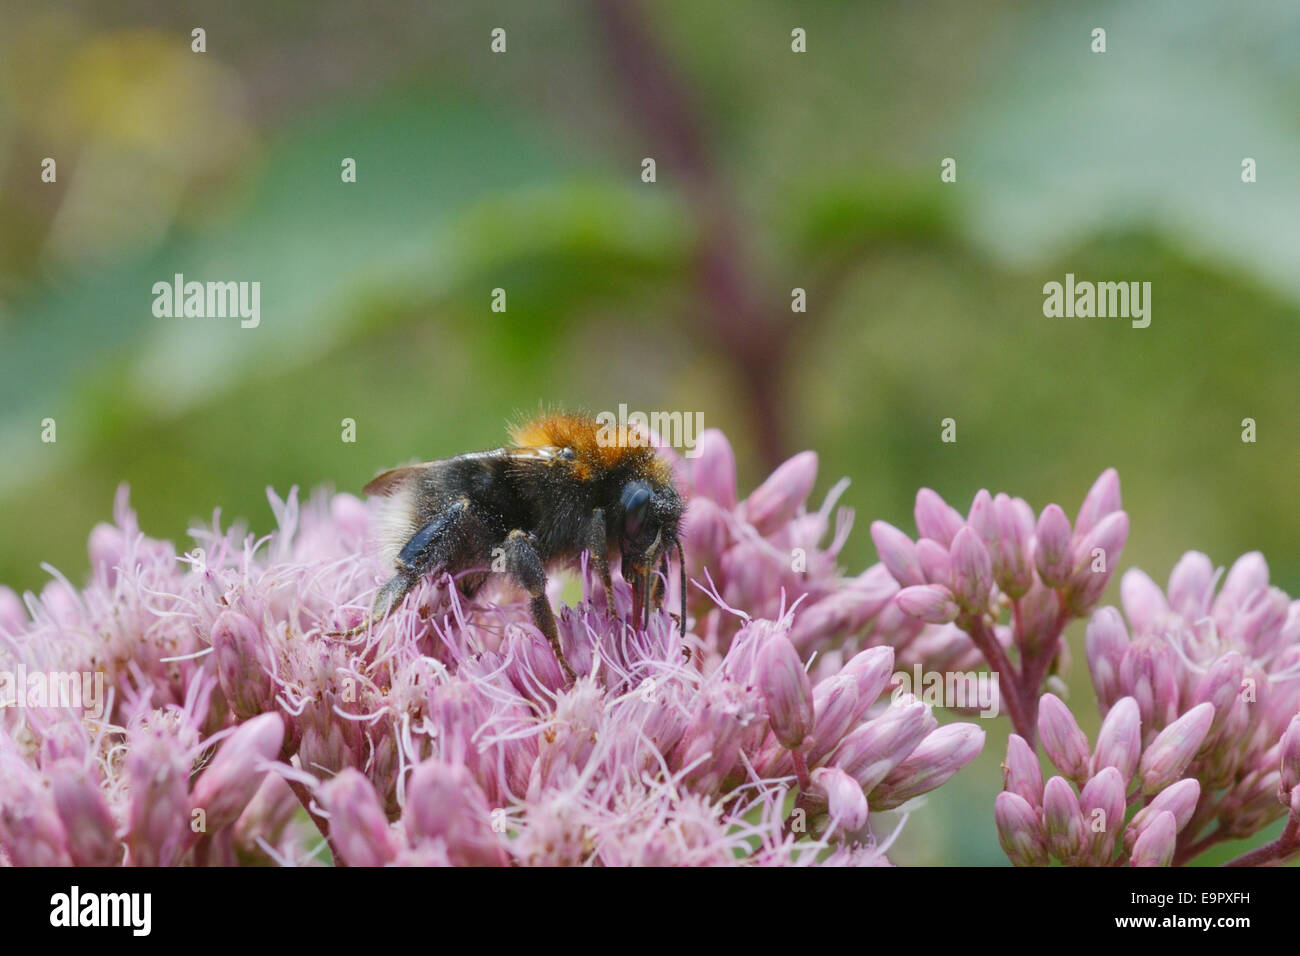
x=1001, y=579
x=766, y=549
x=1229, y=663
x=150, y=793
x=1078, y=816
x=646, y=761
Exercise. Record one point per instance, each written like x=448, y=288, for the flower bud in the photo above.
x=1021, y=772
x=1219, y=687
x=935, y=562
x=844, y=611
x=972, y=571
x=1052, y=553
x=778, y=499
x=935, y=518
x=1105, y=644
x=931, y=603
x=1095, y=558
x=1020, y=832
x=31, y=832
x=1013, y=567
x=787, y=692
x=1147, y=673
x=1167, y=757
x=1179, y=799
x=266, y=815
x=713, y=474
x=980, y=518
x=532, y=666
x=835, y=706
x=1063, y=820
x=1119, y=742
x=934, y=761
x=1251, y=805
x=87, y=821
x=443, y=802
x=158, y=818
x=1143, y=601
x=844, y=798
x=878, y=746
x=942, y=648
x=705, y=531
x=1040, y=609
x=872, y=669
x=1064, y=742
x=1191, y=583
x=1261, y=619
x=1103, y=499
x=897, y=553
x=712, y=740
x=358, y=827
x=1102, y=803
x=243, y=664
x=1155, y=847
x=229, y=782
x=1248, y=574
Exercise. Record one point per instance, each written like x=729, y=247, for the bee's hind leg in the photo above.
x=524, y=564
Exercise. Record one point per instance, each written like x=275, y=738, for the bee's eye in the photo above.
x=636, y=501
x=566, y=454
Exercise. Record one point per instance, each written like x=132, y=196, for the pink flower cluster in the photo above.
x=236, y=727
x=1001, y=580
x=1201, y=691
x=1083, y=827
x=1224, y=667
x=765, y=551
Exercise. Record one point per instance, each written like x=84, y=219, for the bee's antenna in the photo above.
x=681, y=563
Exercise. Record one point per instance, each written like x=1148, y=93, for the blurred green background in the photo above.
x=775, y=170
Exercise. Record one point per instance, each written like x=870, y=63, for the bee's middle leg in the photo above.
x=524, y=564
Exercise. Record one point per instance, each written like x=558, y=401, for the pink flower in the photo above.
x=448, y=734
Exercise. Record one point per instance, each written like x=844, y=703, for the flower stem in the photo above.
x=1284, y=847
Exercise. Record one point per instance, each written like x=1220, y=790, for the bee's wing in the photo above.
x=395, y=479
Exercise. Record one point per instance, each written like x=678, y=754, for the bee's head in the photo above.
x=647, y=520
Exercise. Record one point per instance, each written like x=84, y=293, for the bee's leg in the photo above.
x=524, y=564
x=429, y=547
x=596, y=542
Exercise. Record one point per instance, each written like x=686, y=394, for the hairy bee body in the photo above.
x=567, y=485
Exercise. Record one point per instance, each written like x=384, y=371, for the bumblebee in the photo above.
x=564, y=486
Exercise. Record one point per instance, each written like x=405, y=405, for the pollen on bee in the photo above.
x=593, y=449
